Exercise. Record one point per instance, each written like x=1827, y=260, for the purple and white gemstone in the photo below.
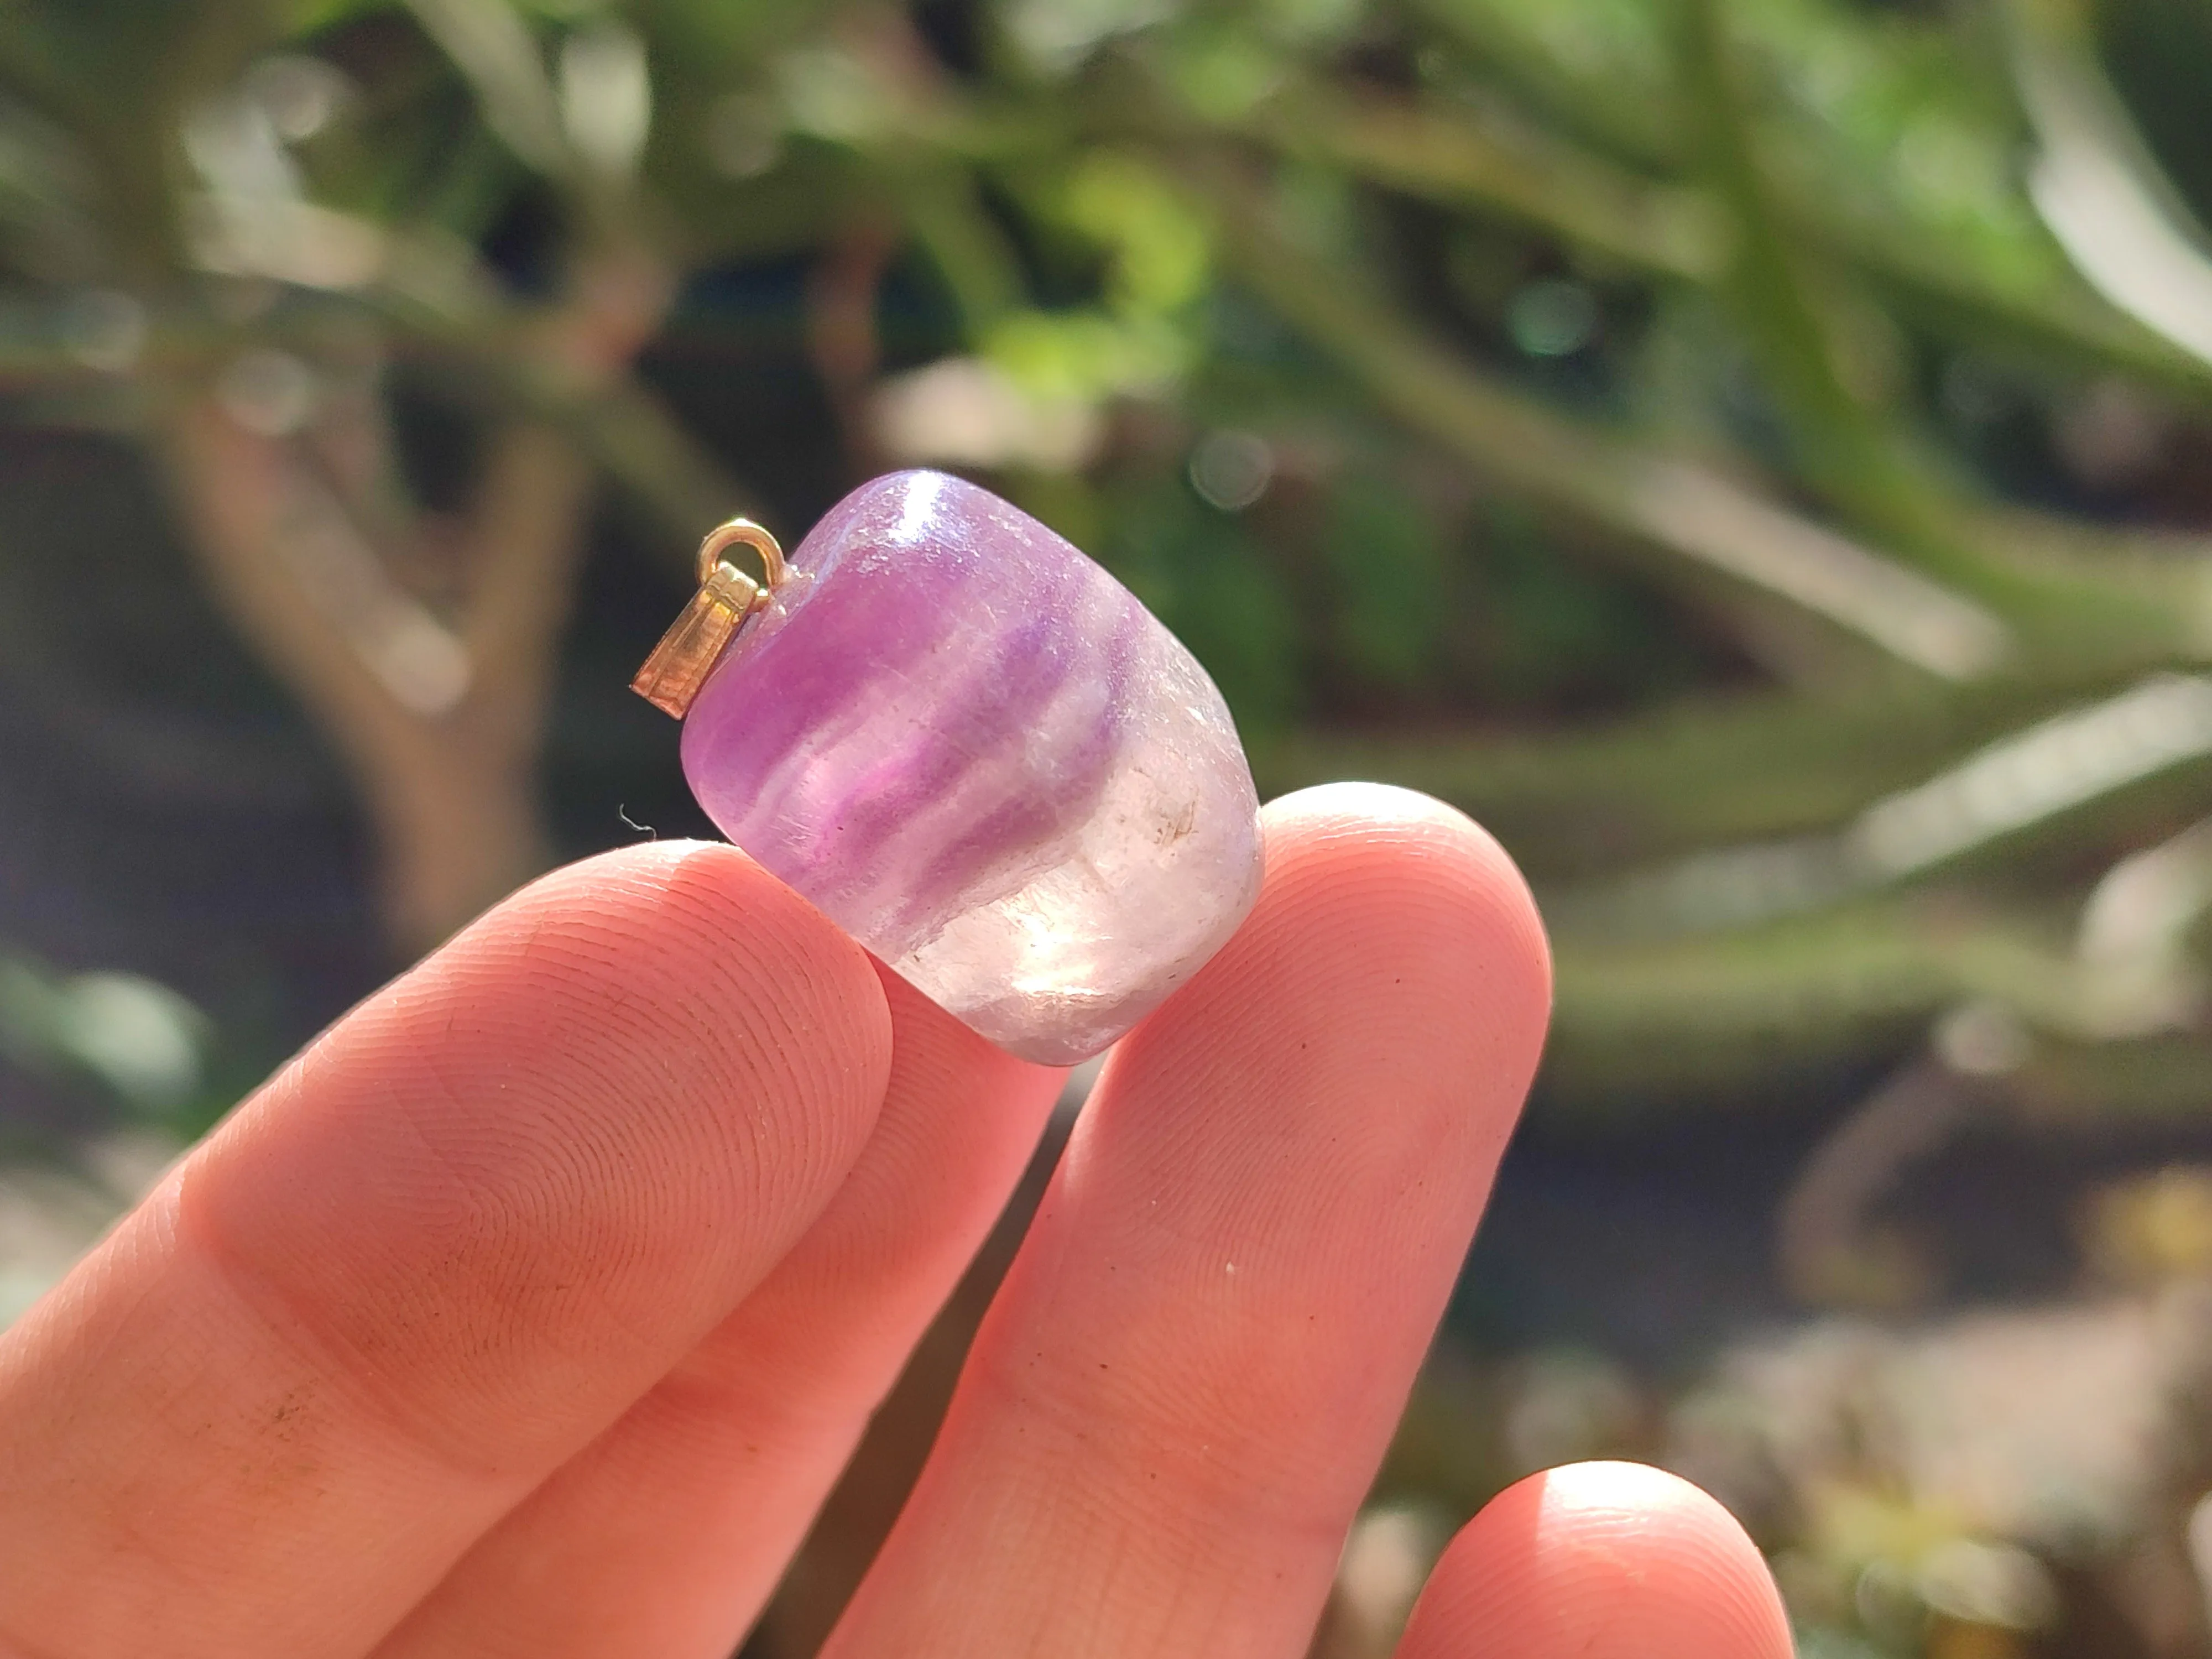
x=979, y=755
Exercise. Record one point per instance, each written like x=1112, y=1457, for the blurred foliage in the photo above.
x=136, y=1038
x=1748, y=452
x=1680, y=427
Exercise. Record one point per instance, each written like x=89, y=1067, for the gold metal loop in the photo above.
x=687, y=653
x=743, y=532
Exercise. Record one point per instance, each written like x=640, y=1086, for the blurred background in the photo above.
x=1755, y=455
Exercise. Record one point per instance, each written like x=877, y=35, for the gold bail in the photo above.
x=687, y=653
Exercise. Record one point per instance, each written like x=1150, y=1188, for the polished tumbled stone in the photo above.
x=979, y=755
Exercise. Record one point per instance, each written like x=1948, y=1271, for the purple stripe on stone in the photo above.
x=979, y=755
x=1089, y=730
x=972, y=733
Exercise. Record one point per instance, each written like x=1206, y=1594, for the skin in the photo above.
x=535, y=1307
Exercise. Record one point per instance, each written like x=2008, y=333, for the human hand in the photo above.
x=533, y=1309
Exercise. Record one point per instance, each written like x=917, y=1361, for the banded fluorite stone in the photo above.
x=980, y=756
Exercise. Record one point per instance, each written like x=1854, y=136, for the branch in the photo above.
x=1743, y=769
x=1467, y=159
x=842, y=296
x=2014, y=786
x=1830, y=1251
x=1839, y=446
x=524, y=536
x=1655, y=1025
x=1524, y=447
x=487, y=42
x=571, y=368
x=298, y=582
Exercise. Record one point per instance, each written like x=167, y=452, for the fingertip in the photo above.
x=1395, y=957
x=1365, y=805
x=1603, y=1561
x=1399, y=876
x=679, y=971
x=672, y=907
x=686, y=957
x=591, y=1121
x=1379, y=831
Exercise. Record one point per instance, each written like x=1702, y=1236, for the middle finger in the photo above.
x=1187, y=1380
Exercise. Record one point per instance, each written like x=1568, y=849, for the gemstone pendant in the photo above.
x=978, y=754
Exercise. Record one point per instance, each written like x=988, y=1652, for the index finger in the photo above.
x=429, y=1260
